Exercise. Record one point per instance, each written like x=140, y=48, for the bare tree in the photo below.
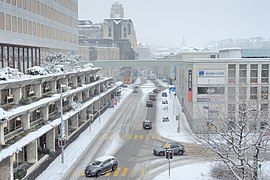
x=240, y=140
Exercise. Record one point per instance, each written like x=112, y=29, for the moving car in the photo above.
x=155, y=90
x=152, y=97
x=101, y=165
x=147, y=124
x=149, y=103
x=177, y=148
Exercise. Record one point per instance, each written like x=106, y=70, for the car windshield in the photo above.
x=96, y=163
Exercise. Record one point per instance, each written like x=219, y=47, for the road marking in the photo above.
x=141, y=136
x=153, y=136
x=147, y=136
x=130, y=136
x=108, y=174
x=125, y=172
x=133, y=173
x=142, y=172
x=135, y=136
x=116, y=172
x=82, y=173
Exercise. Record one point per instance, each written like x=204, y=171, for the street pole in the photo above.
x=99, y=107
x=62, y=124
x=169, y=169
x=90, y=121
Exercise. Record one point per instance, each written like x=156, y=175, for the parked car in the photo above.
x=152, y=97
x=147, y=124
x=155, y=91
x=164, y=94
x=149, y=103
x=101, y=165
x=37, y=70
x=177, y=148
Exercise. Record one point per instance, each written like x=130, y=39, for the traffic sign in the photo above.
x=167, y=145
x=173, y=89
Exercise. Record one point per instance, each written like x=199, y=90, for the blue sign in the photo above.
x=173, y=89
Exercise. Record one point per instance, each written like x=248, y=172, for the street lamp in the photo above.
x=62, y=144
x=90, y=121
x=99, y=107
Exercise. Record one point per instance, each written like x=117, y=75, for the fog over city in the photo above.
x=160, y=22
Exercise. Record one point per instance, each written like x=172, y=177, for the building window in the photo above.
x=254, y=73
x=20, y=25
x=24, y=26
x=264, y=93
x=19, y=3
x=265, y=73
x=14, y=2
x=2, y=20
x=242, y=93
x=8, y=22
x=231, y=73
x=243, y=73
x=24, y=4
x=30, y=27
x=253, y=92
x=231, y=94
x=34, y=28
x=8, y=1
x=129, y=28
x=14, y=24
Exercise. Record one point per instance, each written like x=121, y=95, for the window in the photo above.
x=14, y=2
x=24, y=4
x=231, y=94
x=243, y=73
x=8, y=22
x=2, y=20
x=34, y=28
x=20, y=25
x=19, y=3
x=253, y=92
x=30, y=27
x=24, y=26
x=242, y=93
x=14, y=24
x=265, y=73
x=264, y=93
x=110, y=31
x=231, y=73
x=8, y=1
x=254, y=73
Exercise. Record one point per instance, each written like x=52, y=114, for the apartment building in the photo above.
x=30, y=29
x=30, y=123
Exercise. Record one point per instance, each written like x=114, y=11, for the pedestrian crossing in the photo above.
x=132, y=137
x=123, y=172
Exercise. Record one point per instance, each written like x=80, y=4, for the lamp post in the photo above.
x=99, y=107
x=62, y=125
x=90, y=121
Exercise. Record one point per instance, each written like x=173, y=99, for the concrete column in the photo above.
x=70, y=100
x=50, y=140
x=65, y=81
x=74, y=81
x=74, y=121
x=79, y=95
x=83, y=79
x=2, y=137
x=87, y=78
x=45, y=113
x=6, y=168
x=17, y=95
x=53, y=87
x=32, y=153
x=86, y=92
x=83, y=115
x=37, y=89
x=25, y=119
x=94, y=75
x=23, y=92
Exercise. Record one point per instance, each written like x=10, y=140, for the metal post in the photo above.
x=179, y=117
x=62, y=125
x=169, y=169
x=90, y=121
x=99, y=107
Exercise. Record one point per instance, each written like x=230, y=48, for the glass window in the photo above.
x=242, y=93
x=254, y=73
x=2, y=20
x=14, y=24
x=14, y=2
x=253, y=92
x=24, y=26
x=265, y=73
x=24, y=4
x=19, y=3
x=34, y=28
x=20, y=25
x=231, y=73
x=8, y=22
x=243, y=73
x=8, y=1
x=29, y=5
x=29, y=27
x=231, y=94
x=264, y=93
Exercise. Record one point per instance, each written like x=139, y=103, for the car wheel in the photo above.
x=161, y=153
x=180, y=152
x=114, y=167
x=98, y=173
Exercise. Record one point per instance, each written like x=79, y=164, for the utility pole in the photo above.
x=62, y=139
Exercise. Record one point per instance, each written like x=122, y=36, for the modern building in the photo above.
x=31, y=120
x=29, y=30
x=219, y=90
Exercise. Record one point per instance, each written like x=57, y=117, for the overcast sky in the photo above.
x=166, y=22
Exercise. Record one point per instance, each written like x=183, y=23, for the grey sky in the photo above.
x=161, y=22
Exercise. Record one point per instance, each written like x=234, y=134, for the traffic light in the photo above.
x=62, y=142
x=169, y=154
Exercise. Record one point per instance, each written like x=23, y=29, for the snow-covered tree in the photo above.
x=240, y=140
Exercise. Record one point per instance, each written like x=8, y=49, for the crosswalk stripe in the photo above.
x=82, y=173
x=130, y=136
x=116, y=172
x=135, y=136
x=125, y=172
x=153, y=137
x=142, y=172
x=108, y=174
x=147, y=136
x=141, y=136
x=133, y=173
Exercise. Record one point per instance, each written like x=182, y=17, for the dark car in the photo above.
x=101, y=166
x=164, y=94
x=177, y=148
x=155, y=91
x=149, y=103
x=147, y=124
